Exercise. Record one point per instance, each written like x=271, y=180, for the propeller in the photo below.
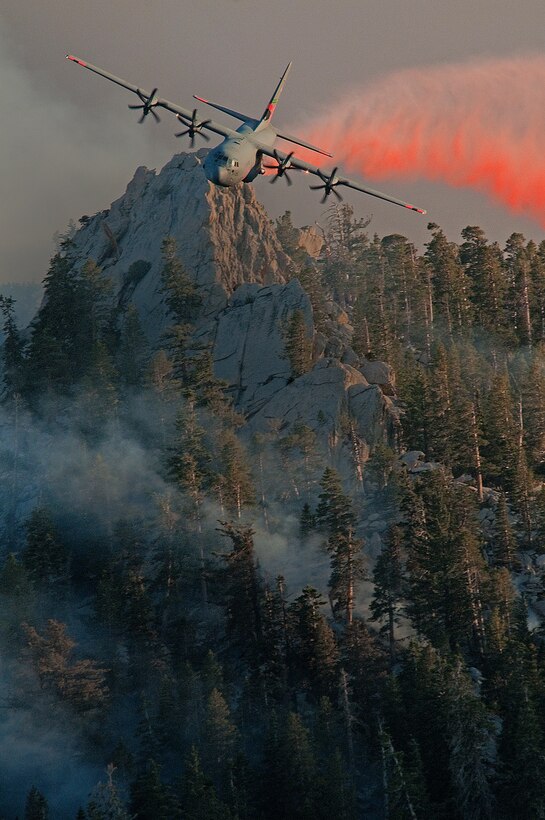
x=281, y=167
x=148, y=106
x=330, y=183
x=193, y=127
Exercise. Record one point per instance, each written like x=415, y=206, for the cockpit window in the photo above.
x=222, y=159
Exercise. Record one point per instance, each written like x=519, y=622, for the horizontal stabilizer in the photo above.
x=304, y=144
x=230, y=111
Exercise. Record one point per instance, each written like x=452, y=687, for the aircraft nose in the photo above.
x=223, y=176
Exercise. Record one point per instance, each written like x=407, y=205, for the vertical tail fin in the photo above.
x=269, y=111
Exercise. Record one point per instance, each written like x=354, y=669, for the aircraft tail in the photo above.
x=273, y=102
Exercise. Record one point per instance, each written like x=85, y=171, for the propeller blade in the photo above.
x=155, y=115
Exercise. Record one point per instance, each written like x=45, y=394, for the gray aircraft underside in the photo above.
x=239, y=157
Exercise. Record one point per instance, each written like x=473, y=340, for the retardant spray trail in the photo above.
x=479, y=125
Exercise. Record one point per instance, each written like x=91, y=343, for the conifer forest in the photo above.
x=208, y=613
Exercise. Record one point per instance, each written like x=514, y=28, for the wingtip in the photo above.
x=76, y=60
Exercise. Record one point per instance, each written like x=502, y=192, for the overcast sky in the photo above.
x=69, y=145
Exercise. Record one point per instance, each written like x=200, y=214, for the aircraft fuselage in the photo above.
x=237, y=159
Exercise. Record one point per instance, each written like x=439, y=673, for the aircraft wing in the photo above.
x=155, y=102
x=331, y=180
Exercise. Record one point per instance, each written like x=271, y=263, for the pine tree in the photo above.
x=106, y=802
x=289, y=771
x=236, y=487
x=484, y=268
x=521, y=747
x=36, y=807
x=199, y=800
x=315, y=653
x=151, y=799
x=241, y=589
x=220, y=742
x=288, y=235
x=79, y=683
x=450, y=285
x=335, y=513
x=12, y=349
x=99, y=398
x=44, y=557
x=298, y=344
x=309, y=277
x=388, y=577
x=446, y=567
x=307, y=521
x=469, y=738
x=55, y=353
x=133, y=349
x=504, y=543
x=518, y=271
x=533, y=410
x=96, y=292
x=500, y=454
x=300, y=458
x=181, y=295
x=374, y=337
x=189, y=459
x=366, y=663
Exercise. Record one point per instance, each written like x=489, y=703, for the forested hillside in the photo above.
x=277, y=550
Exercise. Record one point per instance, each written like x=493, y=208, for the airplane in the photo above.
x=239, y=157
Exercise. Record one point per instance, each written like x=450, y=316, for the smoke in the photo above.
x=478, y=125
x=58, y=161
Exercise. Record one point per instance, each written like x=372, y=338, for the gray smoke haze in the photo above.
x=37, y=750
x=53, y=157
x=51, y=463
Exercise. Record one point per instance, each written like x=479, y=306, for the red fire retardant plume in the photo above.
x=479, y=125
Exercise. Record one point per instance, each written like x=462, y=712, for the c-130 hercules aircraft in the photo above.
x=239, y=158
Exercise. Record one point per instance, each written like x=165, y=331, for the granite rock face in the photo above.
x=249, y=341
x=224, y=238
x=230, y=249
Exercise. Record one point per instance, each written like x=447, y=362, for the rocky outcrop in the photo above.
x=224, y=238
x=249, y=341
x=326, y=396
x=230, y=249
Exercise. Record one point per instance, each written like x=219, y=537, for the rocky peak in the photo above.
x=224, y=237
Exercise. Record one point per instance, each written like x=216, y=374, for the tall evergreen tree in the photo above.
x=388, y=577
x=241, y=589
x=335, y=513
x=198, y=798
x=298, y=344
x=44, y=556
x=12, y=349
x=36, y=807
x=181, y=295
x=315, y=653
x=151, y=799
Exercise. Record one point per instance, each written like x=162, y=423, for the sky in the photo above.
x=69, y=145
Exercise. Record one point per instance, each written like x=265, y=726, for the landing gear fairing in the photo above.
x=239, y=157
